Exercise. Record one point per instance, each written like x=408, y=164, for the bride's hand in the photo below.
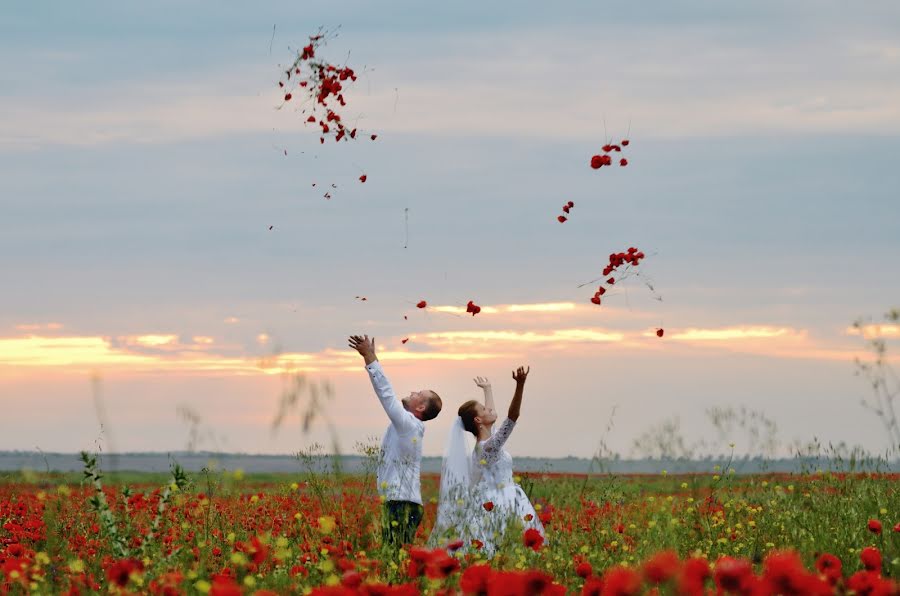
x=520, y=374
x=482, y=382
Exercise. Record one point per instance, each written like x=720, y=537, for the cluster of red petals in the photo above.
x=482, y=579
x=323, y=83
x=433, y=564
x=119, y=573
x=533, y=539
x=632, y=257
x=565, y=208
x=605, y=159
x=473, y=308
x=421, y=304
x=783, y=572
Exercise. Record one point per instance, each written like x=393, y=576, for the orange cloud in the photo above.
x=733, y=333
x=873, y=331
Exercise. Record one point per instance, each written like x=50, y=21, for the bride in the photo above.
x=481, y=505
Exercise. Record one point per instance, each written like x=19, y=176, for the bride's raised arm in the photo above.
x=519, y=375
x=485, y=385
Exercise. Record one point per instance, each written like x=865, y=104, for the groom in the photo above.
x=401, y=449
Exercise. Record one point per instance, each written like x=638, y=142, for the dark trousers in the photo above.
x=399, y=522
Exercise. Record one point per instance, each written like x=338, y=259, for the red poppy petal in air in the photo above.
x=421, y=304
x=611, y=281
x=373, y=137
x=659, y=332
x=625, y=142
x=623, y=162
x=288, y=97
x=596, y=161
x=596, y=300
x=363, y=178
x=570, y=204
x=404, y=340
x=561, y=219
x=566, y=208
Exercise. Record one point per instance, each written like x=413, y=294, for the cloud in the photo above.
x=874, y=330
x=734, y=333
x=39, y=326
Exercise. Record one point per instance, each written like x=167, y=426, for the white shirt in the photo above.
x=399, y=471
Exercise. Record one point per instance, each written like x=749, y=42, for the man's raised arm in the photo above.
x=400, y=418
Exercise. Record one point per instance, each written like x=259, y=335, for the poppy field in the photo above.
x=318, y=532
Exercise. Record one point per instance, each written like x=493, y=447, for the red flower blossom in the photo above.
x=621, y=581
x=474, y=579
x=489, y=506
x=119, y=573
x=693, y=576
x=732, y=574
x=440, y=565
x=662, y=567
x=871, y=558
x=473, y=308
x=830, y=567
x=533, y=539
x=874, y=526
x=897, y=527
x=584, y=570
x=592, y=587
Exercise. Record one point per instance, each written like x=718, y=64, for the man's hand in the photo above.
x=520, y=374
x=482, y=382
x=365, y=347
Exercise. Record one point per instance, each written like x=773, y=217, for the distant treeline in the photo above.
x=195, y=461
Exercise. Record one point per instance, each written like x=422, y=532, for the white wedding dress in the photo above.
x=509, y=512
x=481, y=507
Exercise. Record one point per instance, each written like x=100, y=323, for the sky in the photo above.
x=145, y=151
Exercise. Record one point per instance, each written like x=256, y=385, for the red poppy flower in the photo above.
x=662, y=567
x=874, y=526
x=421, y=304
x=473, y=308
x=830, y=567
x=621, y=581
x=625, y=142
x=287, y=97
x=897, y=527
x=596, y=161
x=596, y=299
x=561, y=219
x=475, y=579
x=570, y=204
x=623, y=162
x=489, y=506
x=566, y=208
x=363, y=178
x=871, y=558
x=584, y=570
x=660, y=332
x=611, y=281
x=533, y=539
